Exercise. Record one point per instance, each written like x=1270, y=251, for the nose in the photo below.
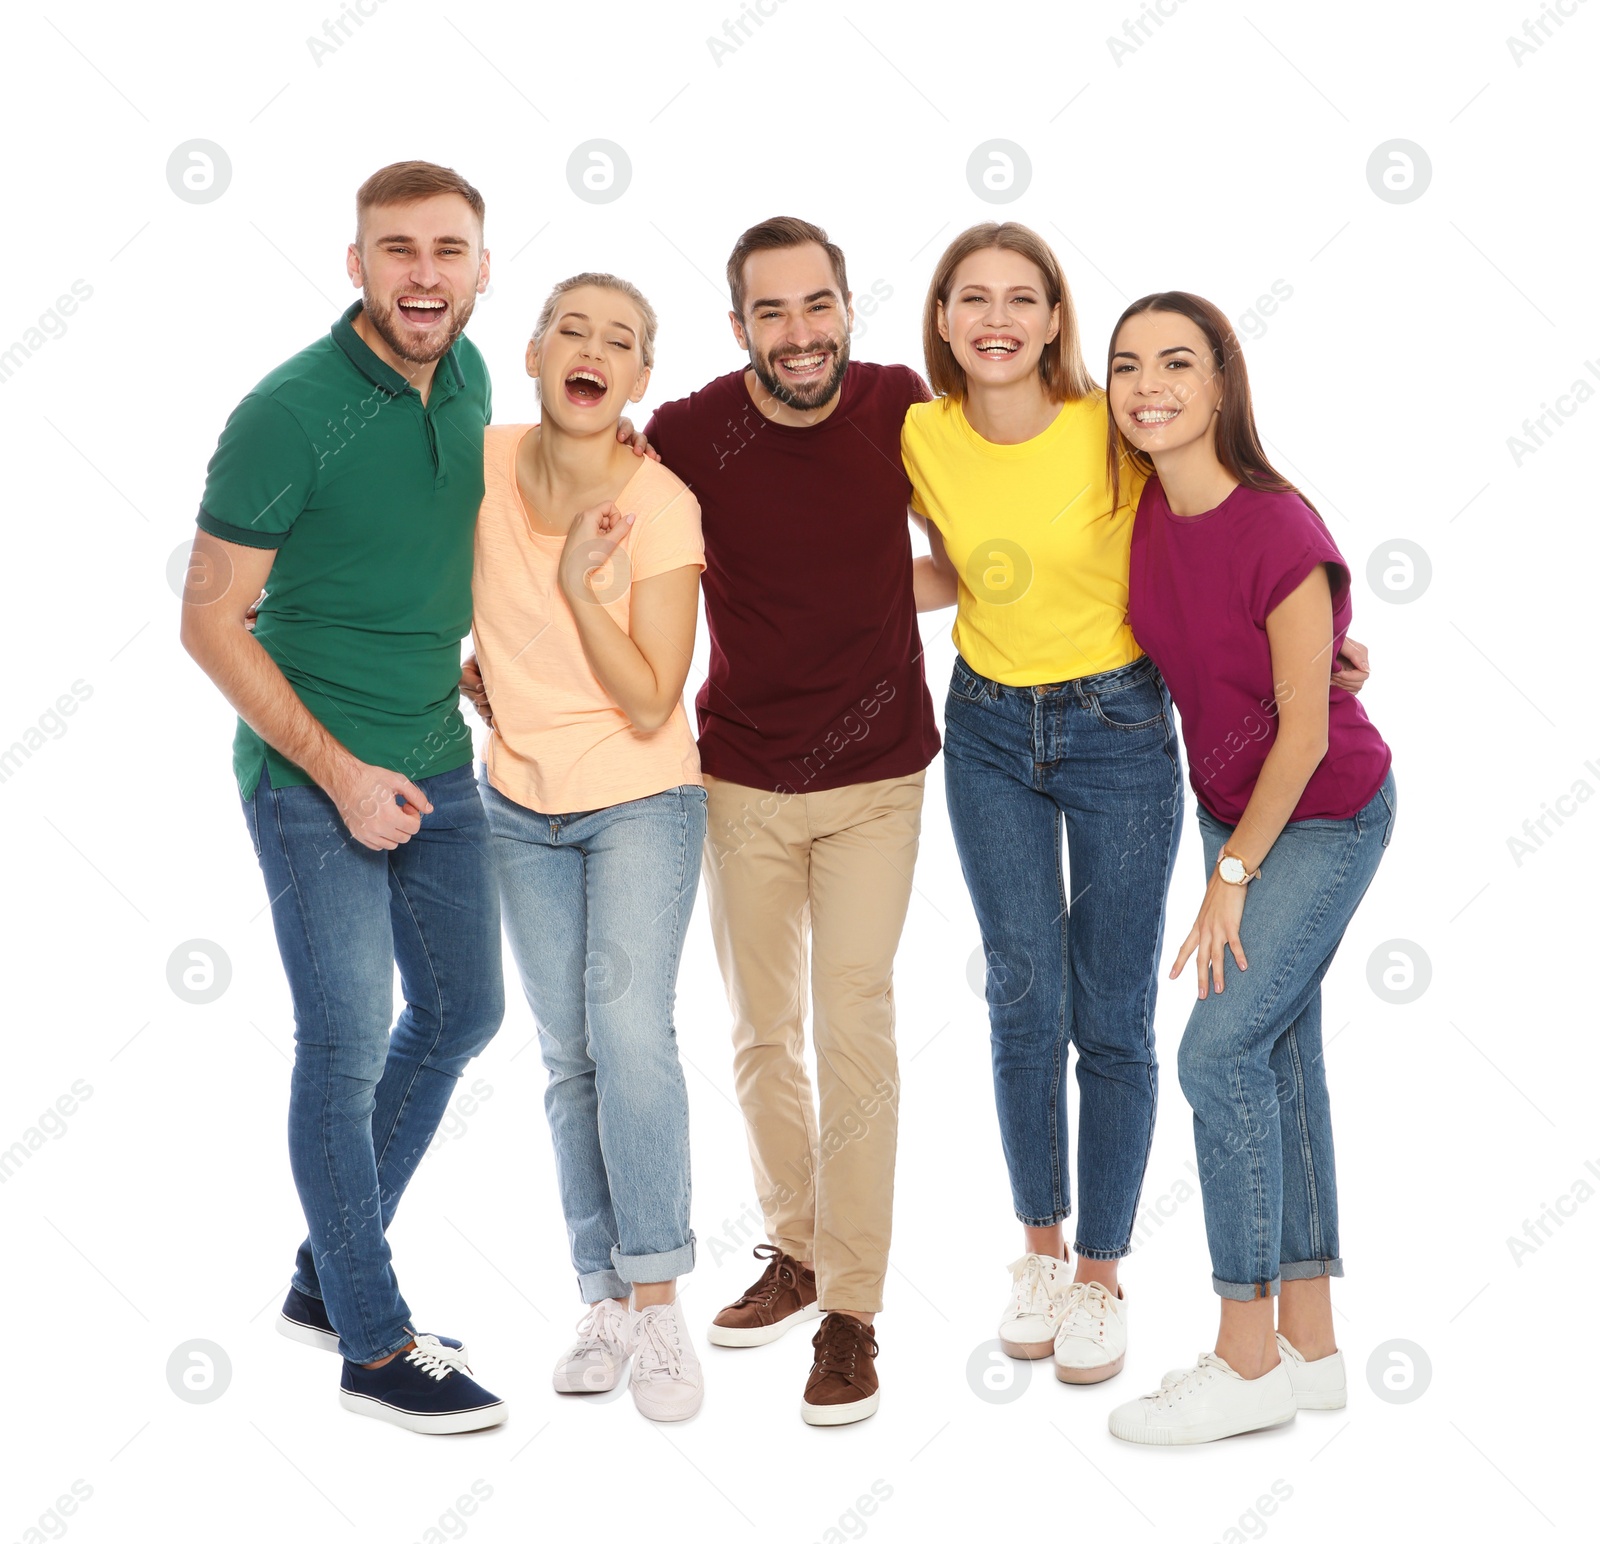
x=425, y=271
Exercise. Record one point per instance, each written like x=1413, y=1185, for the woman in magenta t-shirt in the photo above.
x=1239, y=594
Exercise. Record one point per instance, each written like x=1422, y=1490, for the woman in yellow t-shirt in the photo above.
x=584, y=588
x=1055, y=718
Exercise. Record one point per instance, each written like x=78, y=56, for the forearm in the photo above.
x=933, y=586
x=248, y=677
x=1284, y=774
x=622, y=669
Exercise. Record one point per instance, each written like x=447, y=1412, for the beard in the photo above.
x=407, y=344
x=818, y=392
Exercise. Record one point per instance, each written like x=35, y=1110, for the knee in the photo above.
x=1203, y=1059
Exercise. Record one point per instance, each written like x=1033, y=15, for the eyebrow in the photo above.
x=805, y=300
x=1177, y=348
x=1011, y=289
x=583, y=316
x=439, y=241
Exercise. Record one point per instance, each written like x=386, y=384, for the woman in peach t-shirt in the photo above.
x=584, y=590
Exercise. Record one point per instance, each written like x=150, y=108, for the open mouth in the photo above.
x=803, y=367
x=1154, y=417
x=422, y=311
x=585, y=386
x=995, y=346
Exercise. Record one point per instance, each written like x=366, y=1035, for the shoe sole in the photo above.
x=665, y=1416
x=434, y=1425
x=1090, y=1374
x=307, y=1334
x=839, y=1415
x=589, y=1388
x=1329, y=1401
x=1028, y=1350
x=1168, y=1436
x=761, y=1334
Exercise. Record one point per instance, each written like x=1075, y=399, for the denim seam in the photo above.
x=1058, y=1070
x=363, y=1307
x=1303, y=1129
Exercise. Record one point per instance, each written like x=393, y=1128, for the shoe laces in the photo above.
x=603, y=1328
x=1034, y=1292
x=431, y=1356
x=1177, y=1385
x=781, y=1271
x=1085, y=1308
x=657, y=1344
x=839, y=1344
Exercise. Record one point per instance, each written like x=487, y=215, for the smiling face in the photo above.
x=796, y=324
x=420, y=267
x=589, y=362
x=997, y=317
x=1165, y=387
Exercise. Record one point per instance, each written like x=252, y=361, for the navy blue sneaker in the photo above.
x=424, y=1389
x=305, y=1319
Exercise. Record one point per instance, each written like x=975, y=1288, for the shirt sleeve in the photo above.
x=1294, y=541
x=670, y=537
x=908, y=460
x=260, y=477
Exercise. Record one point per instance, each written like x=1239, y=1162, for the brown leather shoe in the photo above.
x=843, y=1385
x=784, y=1295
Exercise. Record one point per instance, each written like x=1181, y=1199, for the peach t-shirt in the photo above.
x=560, y=744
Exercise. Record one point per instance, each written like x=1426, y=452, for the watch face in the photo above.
x=1232, y=870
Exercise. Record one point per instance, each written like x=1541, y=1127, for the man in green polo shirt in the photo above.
x=347, y=484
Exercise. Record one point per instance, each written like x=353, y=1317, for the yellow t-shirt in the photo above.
x=1042, y=557
x=559, y=743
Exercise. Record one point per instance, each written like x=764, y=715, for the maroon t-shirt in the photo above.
x=816, y=664
x=1200, y=589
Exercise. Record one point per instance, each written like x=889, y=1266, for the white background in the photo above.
x=1225, y=152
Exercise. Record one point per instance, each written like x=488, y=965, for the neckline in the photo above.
x=1018, y=448
x=528, y=525
x=1204, y=514
x=846, y=390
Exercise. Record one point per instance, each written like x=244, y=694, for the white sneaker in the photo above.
x=666, y=1381
x=1028, y=1331
x=1208, y=1401
x=1318, y=1385
x=1091, y=1333
x=594, y=1363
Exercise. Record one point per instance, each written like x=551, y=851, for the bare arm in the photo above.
x=1300, y=633
x=933, y=578
x=223, y=583
x=642, y=669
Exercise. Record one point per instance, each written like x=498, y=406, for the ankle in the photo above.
x=384, y=1361
x=1312, y=1344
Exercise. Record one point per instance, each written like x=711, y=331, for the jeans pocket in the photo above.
x=1389, y=802
x=966, y=685
x=1137, y=707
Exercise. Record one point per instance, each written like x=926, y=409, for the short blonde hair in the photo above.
x=647, y=314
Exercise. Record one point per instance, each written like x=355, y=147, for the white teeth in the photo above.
x=1155, y=415
x=997, y=346
x=802, y=361
x=587, y=375
x=432, y=305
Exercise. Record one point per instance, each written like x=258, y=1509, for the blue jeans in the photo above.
x=1250, y=1063
x=1100, y=755
x=596, y=907
x=364, y=1101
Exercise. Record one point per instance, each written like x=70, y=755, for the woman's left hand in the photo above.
x=594, y=535
x=1216, y=928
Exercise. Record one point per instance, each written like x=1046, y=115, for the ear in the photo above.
x=483, y=271
x=639, y=385
x=532, y=358
x=352, y=264
x=849, y=313
x=940, y=321
x=1055, y=323
x=737, y=323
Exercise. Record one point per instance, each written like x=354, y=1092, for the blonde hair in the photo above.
x=647, y=314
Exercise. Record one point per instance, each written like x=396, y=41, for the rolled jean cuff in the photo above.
x=1309, y=1270
x=1088, y=1252
x=596, y=1285
x=665, y=1266
x=403, y=1337
x=1044, y=1222
x=1246, y=1291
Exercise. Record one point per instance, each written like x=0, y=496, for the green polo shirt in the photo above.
x=370, y=499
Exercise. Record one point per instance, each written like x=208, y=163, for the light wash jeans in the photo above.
x=596, y=905
x=1250, y=1063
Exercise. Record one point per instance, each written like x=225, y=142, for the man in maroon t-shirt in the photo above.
x=816, y=730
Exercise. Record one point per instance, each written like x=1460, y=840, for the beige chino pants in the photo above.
x=837, y=865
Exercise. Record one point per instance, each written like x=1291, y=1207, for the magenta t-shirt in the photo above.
x=1200, y=588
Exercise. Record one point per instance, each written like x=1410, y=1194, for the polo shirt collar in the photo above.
x=380, y=374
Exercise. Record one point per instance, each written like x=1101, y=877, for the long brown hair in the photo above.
x=1238, y=444
x=1062, y=369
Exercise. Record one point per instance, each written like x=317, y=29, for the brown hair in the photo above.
x=775, y=235
x=647, y=314
x=409, y=182
x=1238, y=445
x=1065, y=376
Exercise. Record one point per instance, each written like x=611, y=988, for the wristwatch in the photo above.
x=1231, y=869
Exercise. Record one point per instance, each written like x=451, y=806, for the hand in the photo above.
x=250, y=613
x=634, y=439
x=591, y=539
x=1350, y=668
x=366, y=800
x=1217, y=925
x=472, y=688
